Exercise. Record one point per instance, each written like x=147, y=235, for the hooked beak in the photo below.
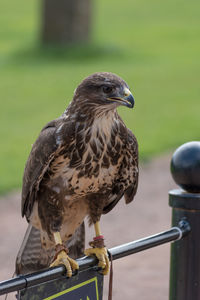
x=126, y=99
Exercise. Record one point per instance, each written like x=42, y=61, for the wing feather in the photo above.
x=41, y=155
x=130, y=142
x=132, y=189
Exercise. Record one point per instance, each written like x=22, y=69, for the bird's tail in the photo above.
x=32, y=257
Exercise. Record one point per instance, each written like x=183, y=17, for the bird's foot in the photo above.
x=100, y=251
x=62, y=258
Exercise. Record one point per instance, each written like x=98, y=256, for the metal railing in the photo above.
x=26, y=281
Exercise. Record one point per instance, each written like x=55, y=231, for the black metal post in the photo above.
x=185, y=254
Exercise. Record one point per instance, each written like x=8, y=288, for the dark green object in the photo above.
x=185, y=253
x=86, y=285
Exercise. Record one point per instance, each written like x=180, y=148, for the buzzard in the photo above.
x=81, y=165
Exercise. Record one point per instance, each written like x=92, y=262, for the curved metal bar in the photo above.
x=25, y=281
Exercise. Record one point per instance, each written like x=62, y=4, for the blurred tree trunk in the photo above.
x=66, y=21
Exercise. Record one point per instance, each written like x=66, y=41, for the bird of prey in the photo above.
x=80, y=166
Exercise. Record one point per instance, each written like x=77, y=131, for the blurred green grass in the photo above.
x=154, y=45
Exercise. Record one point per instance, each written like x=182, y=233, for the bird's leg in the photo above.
x=97, y=229
x=99, y=249
x=61, y=256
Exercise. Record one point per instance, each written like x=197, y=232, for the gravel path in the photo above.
x=143, y=276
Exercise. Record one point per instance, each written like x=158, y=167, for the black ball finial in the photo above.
x=185, y=167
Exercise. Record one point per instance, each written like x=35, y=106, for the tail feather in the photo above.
x=33, y=257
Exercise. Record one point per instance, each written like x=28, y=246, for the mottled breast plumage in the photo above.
x=96, y=161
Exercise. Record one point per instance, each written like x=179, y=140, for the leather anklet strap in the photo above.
x=58, y=249
x=98, y=242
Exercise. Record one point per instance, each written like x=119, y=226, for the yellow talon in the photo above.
x=102, y=256
x=99, y=250
x=63, y=259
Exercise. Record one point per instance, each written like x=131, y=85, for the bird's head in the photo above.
x=105, y=90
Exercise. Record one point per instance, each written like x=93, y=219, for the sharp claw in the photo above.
x=73, y=263
x=102, y=264
x=106, y=269
x=101, y=254
x=70, y=264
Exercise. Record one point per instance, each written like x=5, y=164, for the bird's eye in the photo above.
x=107, y=89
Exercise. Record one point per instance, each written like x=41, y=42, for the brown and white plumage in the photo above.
x=81, y=164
